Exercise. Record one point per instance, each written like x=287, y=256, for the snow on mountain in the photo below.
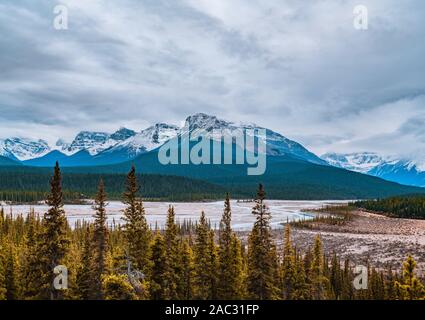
x=122, y=134
x=126, y=144
x=94, y=142
x=146, y=140
x=360, y=162
x=391, y=168
x=202, y=124
x=23, y=148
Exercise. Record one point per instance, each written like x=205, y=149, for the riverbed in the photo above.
x=156, y=212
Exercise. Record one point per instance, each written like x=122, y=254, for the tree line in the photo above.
x=31, y=185
x=412, y=206
x=134, y=261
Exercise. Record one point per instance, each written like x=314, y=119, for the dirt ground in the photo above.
x=381, y=240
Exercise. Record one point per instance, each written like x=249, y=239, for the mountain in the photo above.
x=359, y=162
x=23, y=148
x=8, y=162
x=80, y=158
x=92, y=148
x=147, y=140
x=205, y=125
x=286, y=177
x=402, y=171
x=390, y=168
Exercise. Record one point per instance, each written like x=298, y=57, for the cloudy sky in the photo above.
x=297, y=67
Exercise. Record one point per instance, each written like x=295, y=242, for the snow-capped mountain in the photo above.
x=202, y=124
x=146, y=140
x=100, y=148
x=93, y=142
x=390, y=168
x=360, y=162
x=408, y=172
x=23, y=148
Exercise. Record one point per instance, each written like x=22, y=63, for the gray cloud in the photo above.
x=297, y=67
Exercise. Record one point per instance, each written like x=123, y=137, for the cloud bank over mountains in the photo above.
x=299, y=68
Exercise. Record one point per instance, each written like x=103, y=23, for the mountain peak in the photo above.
x=205, y=122
x=122, y=134
x=356, y=161
x=23, y=148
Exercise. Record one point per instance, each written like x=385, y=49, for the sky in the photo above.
x=297, y=67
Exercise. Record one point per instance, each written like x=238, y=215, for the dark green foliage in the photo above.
x=136, y=229
x=262, y=281
x=412, y=206
x=183, y=261
x=52, y=242
x=100, y=240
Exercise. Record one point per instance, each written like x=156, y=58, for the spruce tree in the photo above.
x=11, y=274
x=229, y=257
x=100, y=240
x=173, y=262
x=318, y=278
x=301, y=290
x=3, y=290
x=288, y=265
x=86, y=277
x=158, y=286
x=205, y=267
x=261, y=260
x=31, y=268
x=136, y=229
x=187, y=271
x=335, y=278
x=52, y=242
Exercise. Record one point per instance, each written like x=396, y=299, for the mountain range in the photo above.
x=291, y=168
x=391, y=168
x=101, y=148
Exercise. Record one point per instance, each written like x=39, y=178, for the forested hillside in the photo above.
x=30, y=184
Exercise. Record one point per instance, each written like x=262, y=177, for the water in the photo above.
x=156, y=212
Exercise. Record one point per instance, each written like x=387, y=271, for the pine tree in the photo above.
x=10, y=274
x=318, y=278
x=347, y=291
x=187, y=271
x=213, y=257
x=30, y=268
x=261, y=262
x=288, y=265
x=173, y=263
x=301, y=290
x=100, y=240
x=229, y=257
x=85, y=276
x=239, y=274
x=159, y=288
x=52, y=242
x=410, y=287
x=205, y=262
x=3, y=290
x=136, y=229
x=335, y=278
